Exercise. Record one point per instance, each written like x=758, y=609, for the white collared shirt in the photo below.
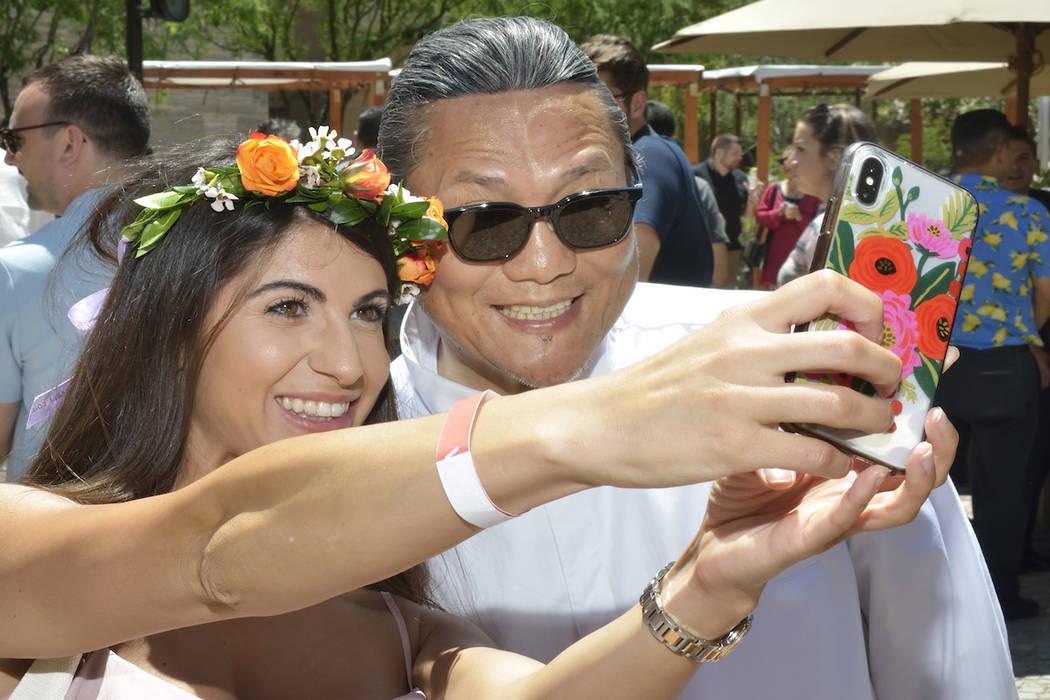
x=918, y=596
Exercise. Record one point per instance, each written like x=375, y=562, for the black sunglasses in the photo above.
x=499, y=230
x=12, y=141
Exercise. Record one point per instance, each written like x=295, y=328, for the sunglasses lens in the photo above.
x=489, y=233
x=597, y=220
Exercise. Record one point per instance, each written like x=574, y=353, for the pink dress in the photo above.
x=105, y=676
x=783, y=233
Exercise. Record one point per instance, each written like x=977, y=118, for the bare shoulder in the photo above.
x=17, y=499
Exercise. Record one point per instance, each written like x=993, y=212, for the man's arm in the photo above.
x=648, y=247
x=8, y=416
x=1041, y=300
x=720, y=271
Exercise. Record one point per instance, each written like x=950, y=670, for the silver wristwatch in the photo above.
x=678, y=639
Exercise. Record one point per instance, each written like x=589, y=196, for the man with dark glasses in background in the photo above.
x=71, y=126
x=507, y=121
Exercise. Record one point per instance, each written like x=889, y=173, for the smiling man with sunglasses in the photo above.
x=507, y=122
x=72, y=125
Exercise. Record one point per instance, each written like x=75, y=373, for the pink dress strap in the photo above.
x=406, y=646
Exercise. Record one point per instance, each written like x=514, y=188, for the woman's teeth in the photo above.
x=313, y=409
x=536, y=313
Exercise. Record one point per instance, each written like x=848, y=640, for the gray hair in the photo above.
x=483, y=56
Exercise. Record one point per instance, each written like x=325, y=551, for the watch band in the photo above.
x=679, y=639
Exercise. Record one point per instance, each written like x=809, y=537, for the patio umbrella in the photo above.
x=888, y=30
x=919, y=79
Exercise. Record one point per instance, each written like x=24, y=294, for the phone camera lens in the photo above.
x=870, y=179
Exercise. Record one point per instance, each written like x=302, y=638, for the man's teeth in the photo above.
x=536, y=313
x=314, y=409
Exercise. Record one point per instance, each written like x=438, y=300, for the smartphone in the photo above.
x=905, y=233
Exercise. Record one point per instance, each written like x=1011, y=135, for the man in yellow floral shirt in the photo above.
x=994, y=387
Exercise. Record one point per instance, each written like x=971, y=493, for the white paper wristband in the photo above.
x=455, y=466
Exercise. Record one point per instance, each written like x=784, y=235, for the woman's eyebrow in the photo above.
x=307, y=289
x=375, y=295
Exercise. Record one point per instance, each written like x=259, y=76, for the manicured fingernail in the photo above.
x=779, y=476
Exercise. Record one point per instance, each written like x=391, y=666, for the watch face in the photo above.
x=171, y=10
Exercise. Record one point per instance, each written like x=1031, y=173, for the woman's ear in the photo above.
x=833, y=156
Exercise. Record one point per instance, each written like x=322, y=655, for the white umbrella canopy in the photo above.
x=920, y=79
x=887, y=30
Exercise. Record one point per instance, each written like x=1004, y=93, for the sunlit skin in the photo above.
x=37, y=157
x=309, y=328
x=814, y=168
x=1021, y=166
x=532, y=148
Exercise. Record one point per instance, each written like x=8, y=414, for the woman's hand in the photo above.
x=711, y=404
x=760, y=523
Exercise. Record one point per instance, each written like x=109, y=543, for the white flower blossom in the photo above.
x=344, y=145
x=223, y=199
x=308, y=149
x=309, y=176
x=409, y=290
x=200, y=179
x=322, y=132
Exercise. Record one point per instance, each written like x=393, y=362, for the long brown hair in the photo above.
x=121, y=431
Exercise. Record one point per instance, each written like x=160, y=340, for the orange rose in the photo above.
x=268, y=164
x=417, y=266
x=436, y=211
x=935, y=317
x=883, y=264
x=366, y=177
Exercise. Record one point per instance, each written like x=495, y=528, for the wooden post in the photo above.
x=691, y=128
x=378, y=92
x=335, y=109
x=762, y=147
x=712, y=129
x=916, y=131
x=739, y=106
x=1013, y=111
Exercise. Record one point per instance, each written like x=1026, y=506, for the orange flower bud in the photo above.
x=366, y=177
x=268, y=164
x=417, y=266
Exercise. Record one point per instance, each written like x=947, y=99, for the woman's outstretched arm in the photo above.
x=299, y=521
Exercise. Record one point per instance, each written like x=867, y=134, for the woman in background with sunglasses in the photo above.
x=198, y=470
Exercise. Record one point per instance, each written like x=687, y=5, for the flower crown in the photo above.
x=323, y=175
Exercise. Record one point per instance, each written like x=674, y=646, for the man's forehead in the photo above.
x=30, y=104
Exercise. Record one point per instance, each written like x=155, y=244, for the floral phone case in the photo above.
x=910, y=246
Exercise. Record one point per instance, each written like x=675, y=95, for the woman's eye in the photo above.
x=371, y=314
x=288, y=307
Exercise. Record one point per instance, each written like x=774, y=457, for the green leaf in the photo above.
x=410, y=210
x=318, y=206
x=959, y=214
x=898, y=230
x=897, y=177
x=162, y=200
x=841, y=254
x=913, y=194
x=383, y=215
x=856, y=214
x=869, y=232
x=155, y=230
x=185, y=189
x=888, y=208
x=421, y=230
x=932, y=283
x=348, y=212
x=926, y=376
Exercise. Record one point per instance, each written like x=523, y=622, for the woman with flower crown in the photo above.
x=220, y=482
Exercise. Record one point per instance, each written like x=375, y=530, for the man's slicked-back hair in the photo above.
x=99, y=95
x=624, y=63
x=976, y=135
x=484, y=56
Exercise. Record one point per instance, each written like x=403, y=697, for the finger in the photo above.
x=903, y=503
x=811, y=296
x=800, y=453
x=825, y=404
x=778, y=479
x=950, y=357
x=841, y=352
x=945, y=440
x=841, y=519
